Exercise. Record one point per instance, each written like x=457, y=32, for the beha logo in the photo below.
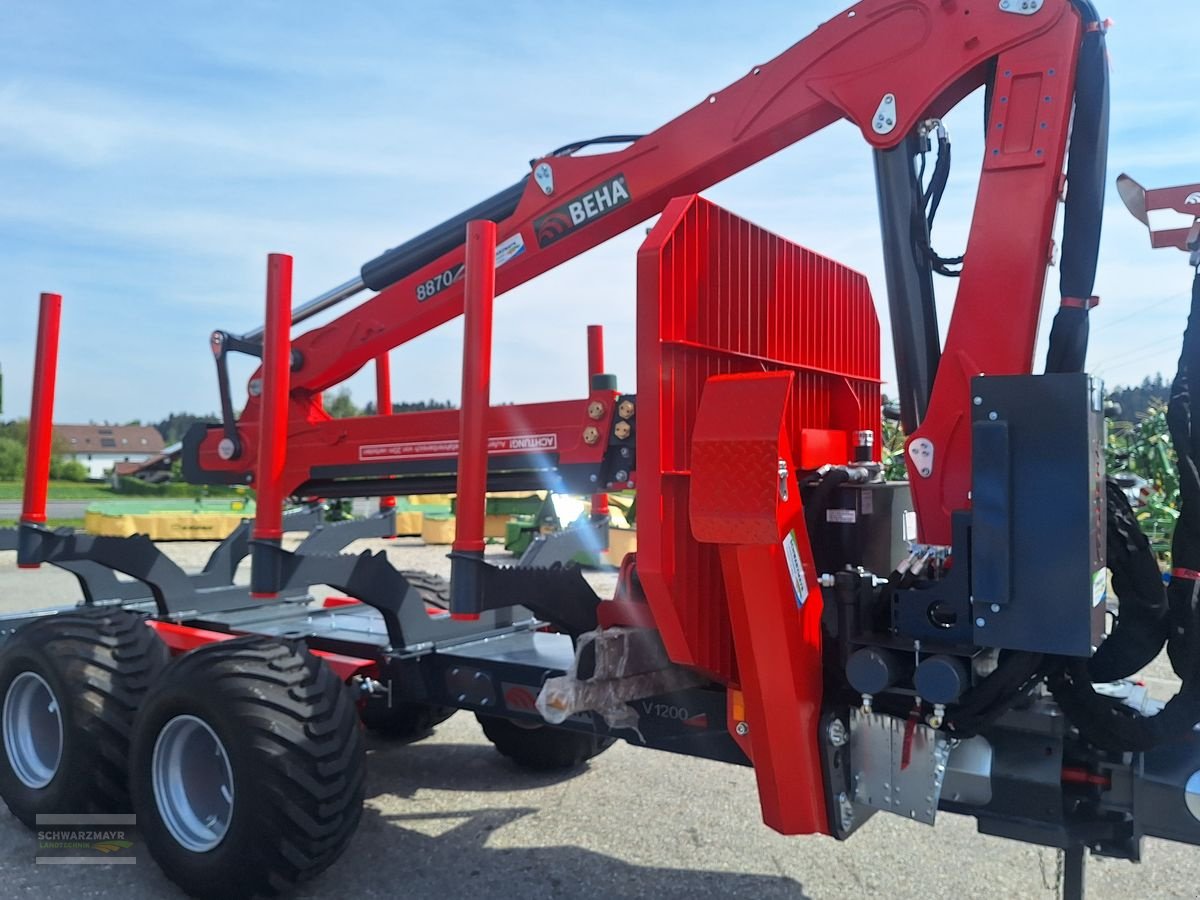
x=581, y=210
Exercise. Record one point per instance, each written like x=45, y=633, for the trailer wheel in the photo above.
x=434, y=589
x=405, y=720
x=542, y=748
x=247, y=768
x=69, y=687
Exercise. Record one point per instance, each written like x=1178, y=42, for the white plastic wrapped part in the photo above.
x=629, y=664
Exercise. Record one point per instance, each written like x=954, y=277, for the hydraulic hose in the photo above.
x=1114, y=726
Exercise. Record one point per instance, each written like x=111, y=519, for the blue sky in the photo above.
x=152, y=154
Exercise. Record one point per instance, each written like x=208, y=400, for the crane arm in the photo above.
x=885, y=66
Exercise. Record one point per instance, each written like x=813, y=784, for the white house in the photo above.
x=101, y=447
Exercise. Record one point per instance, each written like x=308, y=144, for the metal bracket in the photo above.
x=886, y=115
x=886, y=775
x=921, y=451
x=1021, y=7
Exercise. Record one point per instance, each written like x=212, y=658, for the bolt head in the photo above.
x=622, y=475
x=845, y=811
x=981, y=622
x=993, y=415
x=838, y=737
x=742, y=729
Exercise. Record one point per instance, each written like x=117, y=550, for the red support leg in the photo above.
x=746, y=499
x=471, y=502
x=41, y=415
x=383, y=405
x=272, y=438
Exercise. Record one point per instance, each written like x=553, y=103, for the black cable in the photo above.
x=568, y=149
x=933, y=200
x=1141, y=627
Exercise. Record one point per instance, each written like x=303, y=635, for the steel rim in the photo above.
x=1191, y=795
x=193, y=783
x=33, y=730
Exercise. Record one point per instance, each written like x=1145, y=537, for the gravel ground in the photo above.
x=448, y=817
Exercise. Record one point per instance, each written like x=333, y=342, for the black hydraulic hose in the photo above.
x=1141, y=627
x=1182, y=646
x=933, y=200
x=400, y=262
x=575, y=146
x=1113, y=726
x=1087, y=165
x=1012, y=679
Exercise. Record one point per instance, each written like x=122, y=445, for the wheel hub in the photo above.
x=193, y=783
x=33, y=730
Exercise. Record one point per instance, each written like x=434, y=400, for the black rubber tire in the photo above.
x=542, y=748
x=403, y=721
x=434, y=589
x=290, y=729
x=407, y=721
x=99, y=663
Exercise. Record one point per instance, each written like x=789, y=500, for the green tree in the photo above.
x=1134, y=401
x=1144, y=448
x=72, y=470
x=340, y=405
x=12, y=459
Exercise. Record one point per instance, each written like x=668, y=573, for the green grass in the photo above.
x=100, y=490
x=50, y=523
x=61, y=490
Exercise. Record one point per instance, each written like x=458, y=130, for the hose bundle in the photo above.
x=1114, y=726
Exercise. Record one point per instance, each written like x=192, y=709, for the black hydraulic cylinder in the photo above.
x=400, y=262
x=909, y=272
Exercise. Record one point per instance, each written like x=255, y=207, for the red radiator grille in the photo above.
x=718, y=295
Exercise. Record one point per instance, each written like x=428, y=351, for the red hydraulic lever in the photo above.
x=471, y=504
x=595, y=344
x=41, y=414
x=595, y=338
x=272, y=438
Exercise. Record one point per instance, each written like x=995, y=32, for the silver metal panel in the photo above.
x=885, y=776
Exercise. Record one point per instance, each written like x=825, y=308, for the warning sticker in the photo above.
x=513, y=443
x=791, y=551
x=1099, y=588
x=509, y=249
